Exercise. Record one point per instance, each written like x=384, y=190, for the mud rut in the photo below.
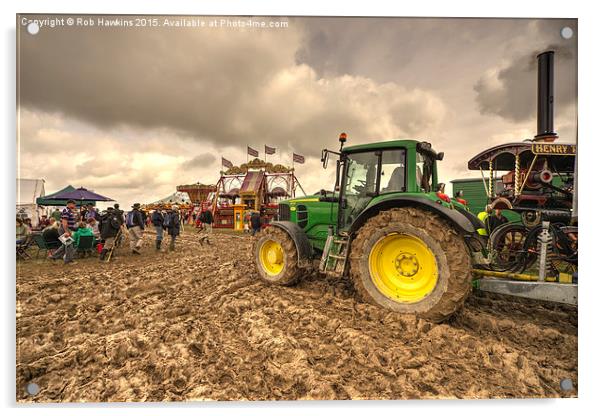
x=198, y=325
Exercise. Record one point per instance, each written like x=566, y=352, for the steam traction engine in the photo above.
x=540, y=186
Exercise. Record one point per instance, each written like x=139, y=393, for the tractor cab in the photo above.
x=372, y=172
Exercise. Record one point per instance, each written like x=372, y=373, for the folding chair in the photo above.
x=85, y=245
x=44, y=245
x=22, y=247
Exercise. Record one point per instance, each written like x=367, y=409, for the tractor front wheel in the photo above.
x=411, y=261
x=276, y=257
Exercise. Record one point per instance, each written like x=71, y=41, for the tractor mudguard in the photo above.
x=304, y=248
x=460, y=221
x=474, y=220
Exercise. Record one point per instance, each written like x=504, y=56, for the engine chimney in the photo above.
x=545, y=98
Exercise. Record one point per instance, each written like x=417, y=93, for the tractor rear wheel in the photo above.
x=276, y=257
x=411, y=261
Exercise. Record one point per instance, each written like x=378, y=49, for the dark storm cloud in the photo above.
x=414, y=51
x=226, y=87
x=510, y=90
x=441, y=54
x=201, y=160
x=181, y=79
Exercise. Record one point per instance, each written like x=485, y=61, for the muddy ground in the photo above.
x=199, y=325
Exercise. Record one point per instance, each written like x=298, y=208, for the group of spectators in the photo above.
x=63, y=229
x=166, y=220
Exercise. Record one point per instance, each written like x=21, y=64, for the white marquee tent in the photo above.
x=175, y=198
x=27, y=192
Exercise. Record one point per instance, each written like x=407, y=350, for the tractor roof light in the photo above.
x=342, y=139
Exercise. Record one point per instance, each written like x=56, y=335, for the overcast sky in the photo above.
x=133, y=112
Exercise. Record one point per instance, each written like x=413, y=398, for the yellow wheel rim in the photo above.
x=271, y=256
x=403, y=268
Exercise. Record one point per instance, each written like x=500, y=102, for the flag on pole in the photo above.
x=269, y=150
x=298, y=158
x=226, y=163
x=252, y=152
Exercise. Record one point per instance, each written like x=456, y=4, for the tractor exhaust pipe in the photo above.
x=545, y=98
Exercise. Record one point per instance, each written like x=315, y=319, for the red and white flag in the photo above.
x=227, y=163
x=269, y=150
x=298, y=158
x=252, y=152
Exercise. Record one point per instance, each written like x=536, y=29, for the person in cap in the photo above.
x=108, y=226
x=119, y=213
x=134, y=222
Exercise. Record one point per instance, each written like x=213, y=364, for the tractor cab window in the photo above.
x=393, y=171
x=367, y=175
x=360, y=183
x=361, y=174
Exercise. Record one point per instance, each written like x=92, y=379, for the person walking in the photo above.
x=109, y=227
x=157, y=221
x=135, y=224
x=172, y=224
x=207, y=218
x=255, y=223
x=119, y=213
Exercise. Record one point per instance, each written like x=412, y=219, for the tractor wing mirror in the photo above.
x=324, y=158
x=440, y=155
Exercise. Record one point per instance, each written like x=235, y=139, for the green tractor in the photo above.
x=387, y=226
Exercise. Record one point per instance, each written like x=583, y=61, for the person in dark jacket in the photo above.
x=495, y=220
x=207, y=219
x=255, y=222
x=109, y=227
x=119, y=214
x=135, y=224
x=172, y=224
x=51, y=234
x=157, y=219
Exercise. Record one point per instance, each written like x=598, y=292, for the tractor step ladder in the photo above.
x=334, y=256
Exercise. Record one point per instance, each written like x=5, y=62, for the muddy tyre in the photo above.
x=411, y=261
x=275, y=256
